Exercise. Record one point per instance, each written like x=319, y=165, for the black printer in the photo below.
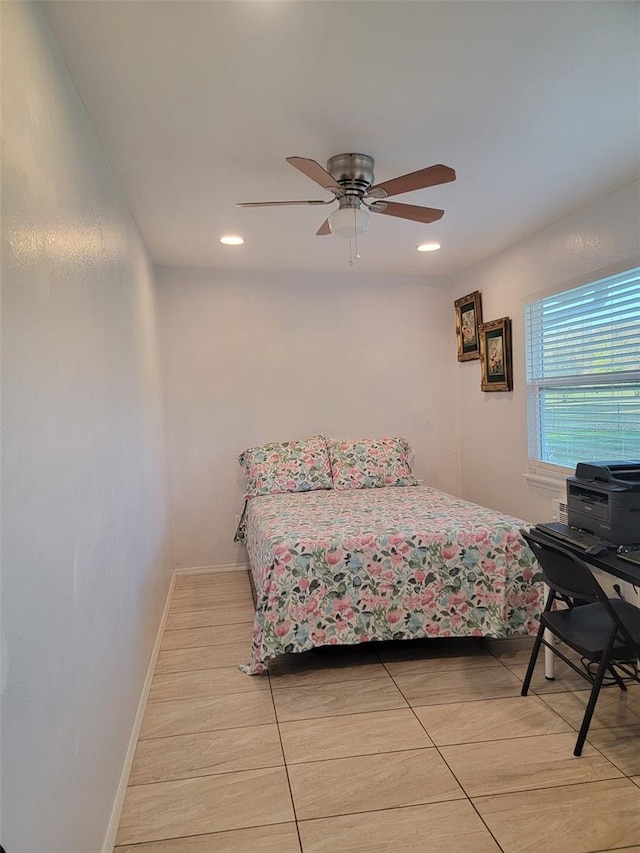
x=604, y=498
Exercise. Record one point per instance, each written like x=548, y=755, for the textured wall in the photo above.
x=493, y=426
x=85, y=565
x=255, y=357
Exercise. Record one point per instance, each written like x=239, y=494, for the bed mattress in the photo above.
x=344, y=567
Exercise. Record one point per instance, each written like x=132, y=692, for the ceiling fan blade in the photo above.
x=280, y=203
x=429, y=177
x=323, y=229
x=407, y=211
x=315, y=171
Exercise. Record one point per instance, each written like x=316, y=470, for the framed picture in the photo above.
x=495, y=355
x=468, y=322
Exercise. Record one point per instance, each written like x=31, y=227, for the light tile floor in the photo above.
x=417, y=747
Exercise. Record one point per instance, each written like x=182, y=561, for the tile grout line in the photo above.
x=203, y=646
x=467, y=797
x=200, y=645
x=200, y=669
x=382, y=809
x=246, y=622
x=328, y=683
x=218, y=695
x=580, y=784
x=286, y=766
x=206, y=776
x=214, y=605
x=206, y=731
x=360, y=754
x=198, y=835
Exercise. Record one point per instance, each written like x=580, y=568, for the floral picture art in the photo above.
x=468, y=322
x=495, y=355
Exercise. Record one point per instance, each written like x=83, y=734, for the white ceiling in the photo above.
x=535, y=104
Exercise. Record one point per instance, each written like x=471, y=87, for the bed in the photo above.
x=334, y=567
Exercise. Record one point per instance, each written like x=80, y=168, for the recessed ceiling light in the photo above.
x=428, y=247
x=232, y=240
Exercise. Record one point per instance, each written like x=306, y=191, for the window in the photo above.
x=583, y=372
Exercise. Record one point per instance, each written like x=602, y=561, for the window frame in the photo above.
x=539, y=472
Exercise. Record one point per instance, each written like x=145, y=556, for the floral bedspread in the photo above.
x=345, y=567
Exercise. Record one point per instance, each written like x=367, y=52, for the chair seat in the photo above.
x=587, y=628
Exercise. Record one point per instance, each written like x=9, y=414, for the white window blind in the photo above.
x=583, y=372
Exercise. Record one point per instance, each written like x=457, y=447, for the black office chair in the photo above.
x=603, y=630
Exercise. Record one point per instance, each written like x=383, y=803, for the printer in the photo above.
x=604, y=498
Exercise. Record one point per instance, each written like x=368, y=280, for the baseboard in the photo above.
x=203, y=570
x=114, y=821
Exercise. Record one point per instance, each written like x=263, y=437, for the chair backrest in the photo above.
x=563, y=571
x=566, y=573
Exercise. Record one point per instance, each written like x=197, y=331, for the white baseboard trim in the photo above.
x=116, y=812
x=203, y=570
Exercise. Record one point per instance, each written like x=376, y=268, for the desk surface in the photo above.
x=609, y=562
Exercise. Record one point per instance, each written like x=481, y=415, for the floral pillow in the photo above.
x=370, y=463
x=288, y=466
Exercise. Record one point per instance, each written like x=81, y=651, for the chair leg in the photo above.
x=593, y=698
x=532, y=660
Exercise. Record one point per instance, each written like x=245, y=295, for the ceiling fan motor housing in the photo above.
x=352, y=171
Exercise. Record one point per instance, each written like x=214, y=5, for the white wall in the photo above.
x=256, y=357
x=493, y=429
x=86, y=566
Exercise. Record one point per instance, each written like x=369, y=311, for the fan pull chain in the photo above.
x=354, y=257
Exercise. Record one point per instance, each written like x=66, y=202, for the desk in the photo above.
x=609, y=563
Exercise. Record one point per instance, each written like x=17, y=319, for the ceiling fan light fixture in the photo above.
x=232, y=240
x=428, y=247
x=349, y=221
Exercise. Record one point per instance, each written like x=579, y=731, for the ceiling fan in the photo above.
x=350, y=178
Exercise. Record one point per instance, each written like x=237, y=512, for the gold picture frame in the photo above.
x=495, y=355
x=468, y=322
